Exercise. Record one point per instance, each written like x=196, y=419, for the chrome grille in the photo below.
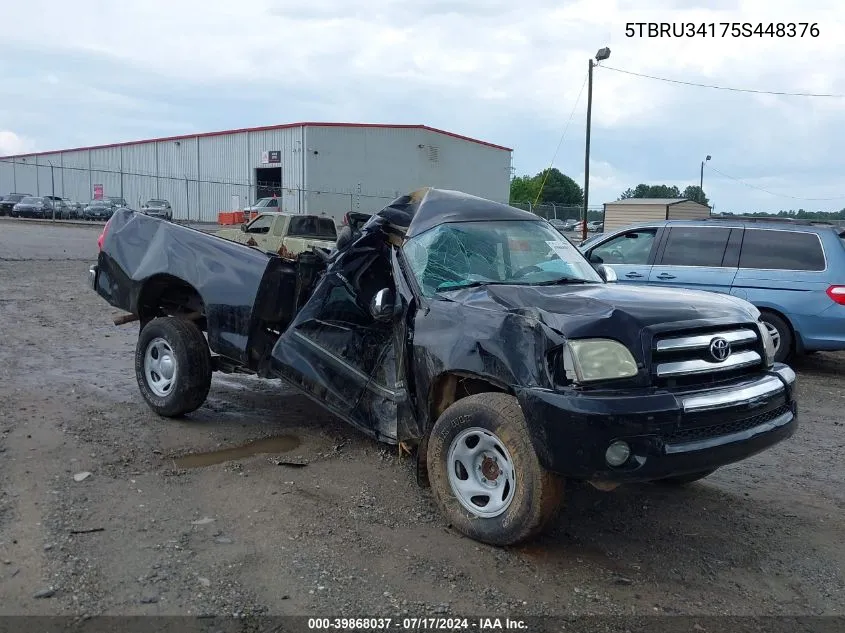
x=691, y=358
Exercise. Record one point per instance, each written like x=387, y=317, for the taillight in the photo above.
x=103, y=235
x=837, y=294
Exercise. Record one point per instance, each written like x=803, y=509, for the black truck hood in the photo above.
x=575, y=310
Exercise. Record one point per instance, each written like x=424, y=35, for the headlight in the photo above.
x=589, y=360
x=768, y=343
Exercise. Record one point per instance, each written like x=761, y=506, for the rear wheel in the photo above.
x=485, y=474
x=781, y=335
x=172, y=366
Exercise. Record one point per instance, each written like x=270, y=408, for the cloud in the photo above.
x=11, y=143
x=507, y=72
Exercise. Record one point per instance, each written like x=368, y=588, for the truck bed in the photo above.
x=245, y=297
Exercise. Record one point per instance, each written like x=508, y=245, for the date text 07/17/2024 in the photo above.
x=721, y=29
x=417, y=624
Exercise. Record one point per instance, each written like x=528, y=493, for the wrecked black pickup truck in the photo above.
x=469, y=332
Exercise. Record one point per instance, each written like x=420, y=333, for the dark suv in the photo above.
x=7, y=203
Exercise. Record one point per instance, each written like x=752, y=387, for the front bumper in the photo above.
x=669, y=433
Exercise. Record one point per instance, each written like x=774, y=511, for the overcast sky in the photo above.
x=85, y=72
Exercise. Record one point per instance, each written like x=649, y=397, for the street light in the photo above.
x=601, y=55
x=701, y=180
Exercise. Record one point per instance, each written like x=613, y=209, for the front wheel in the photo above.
x=781, y=335
x=172, y=366
x=484, y=472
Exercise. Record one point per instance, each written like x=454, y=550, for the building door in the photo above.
x=268, y=182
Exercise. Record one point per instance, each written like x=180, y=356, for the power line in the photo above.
x=777, y=195
x=560, y=142
x=715, y=87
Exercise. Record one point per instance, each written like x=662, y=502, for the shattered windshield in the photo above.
x=521, y=252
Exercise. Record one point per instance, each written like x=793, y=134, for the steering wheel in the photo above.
x=525, y=270
x=617, y=254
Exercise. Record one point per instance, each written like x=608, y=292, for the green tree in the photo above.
x=557, y=188
x=524, y=188
x=651, y=191
x=696, y=194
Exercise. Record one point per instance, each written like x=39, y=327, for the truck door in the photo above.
x=341, y=355
x=258, y=231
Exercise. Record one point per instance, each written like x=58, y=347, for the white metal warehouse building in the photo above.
x=324, y=168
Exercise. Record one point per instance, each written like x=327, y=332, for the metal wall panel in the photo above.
x=76, y=177
x=224, y=169
x=7, y=176
x=363, y=169
x=49, y=179
x=289, y=142
x=139, y=173
x=689, y=210
x=453, y=163
x=23, y=175
x=177, y=177
x=106, y=170
x=618, y=215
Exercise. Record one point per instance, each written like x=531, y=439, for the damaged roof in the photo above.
x=425, y=208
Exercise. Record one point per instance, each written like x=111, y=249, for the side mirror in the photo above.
x=243, y=227
x=381, y=307
x=607, y=273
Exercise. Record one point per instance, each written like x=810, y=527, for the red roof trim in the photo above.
x=268, y=128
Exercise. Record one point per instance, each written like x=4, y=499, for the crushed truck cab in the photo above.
x=473, y=334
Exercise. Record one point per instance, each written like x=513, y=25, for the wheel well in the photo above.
x=450, y=387
x=165, y=295
x=796, y=338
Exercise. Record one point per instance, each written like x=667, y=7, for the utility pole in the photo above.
x=602, y=54
x=701, y=180
x=53, y=189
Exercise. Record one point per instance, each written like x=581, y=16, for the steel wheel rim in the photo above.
x=481, y=472
x=160, y=367
x=774, y=334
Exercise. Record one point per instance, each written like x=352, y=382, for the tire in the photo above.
x=784, y=345
x=683, y=480
x=190, y=358
x=533, y=496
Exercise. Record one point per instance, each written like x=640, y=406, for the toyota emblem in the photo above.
x=720, y=349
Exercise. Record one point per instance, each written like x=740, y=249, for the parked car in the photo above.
x=263, y=204
x=34, y=207
x=158, y=209
x=589, y=240
x=118, y=201
x=470, y=332
x=560, y=225
x=595, y=226
x=793, y=271
x=72, y=210
x=8, y=202
x=101, y=209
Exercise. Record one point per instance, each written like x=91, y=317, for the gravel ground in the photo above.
x=98, y=515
